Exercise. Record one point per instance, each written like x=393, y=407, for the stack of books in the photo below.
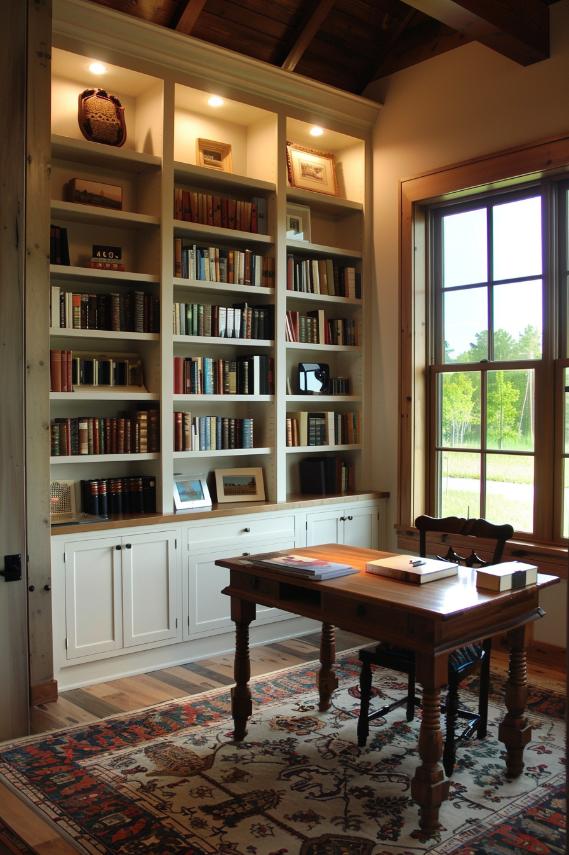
x=303, y=566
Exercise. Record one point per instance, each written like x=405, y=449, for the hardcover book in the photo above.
x=304, y=566
x=506, y=576
x=410, y=568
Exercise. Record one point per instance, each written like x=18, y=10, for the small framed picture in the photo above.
x=298, y=222
x=240, y=485
x=190, y=492
x=214, y=155
x=310, y=169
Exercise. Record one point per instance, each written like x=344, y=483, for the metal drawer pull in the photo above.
x=118, y=547
x=129, y=545
x=350, y=518
x=245, y=554
x=343, y=519
x=245, y=530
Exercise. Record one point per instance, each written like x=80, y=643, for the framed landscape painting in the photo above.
x=309, y=169
x=240, y=485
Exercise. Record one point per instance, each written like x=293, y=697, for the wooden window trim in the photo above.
x=490, y=173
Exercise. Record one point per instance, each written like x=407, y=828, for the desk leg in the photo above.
x=242, y=613
x=327, y=680
x=429, y=787
x=515, y=731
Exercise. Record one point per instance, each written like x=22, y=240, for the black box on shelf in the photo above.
x=318, y=476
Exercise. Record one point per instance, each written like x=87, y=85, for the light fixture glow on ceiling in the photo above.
x=316, y=131
x=215, y=101
x=97, y=68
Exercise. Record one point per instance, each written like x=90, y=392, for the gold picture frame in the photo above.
x=213, y=155
x=309, y=169
x=240, y=485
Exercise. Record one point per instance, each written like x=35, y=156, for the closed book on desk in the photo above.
x=506, y=576
x=304, y=566
x=409, y=568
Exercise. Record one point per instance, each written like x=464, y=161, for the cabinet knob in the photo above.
x=118, y=547
x=245, y=554
x=31, y=588
x=350, y=518
x=128, y=546
x=47, y=587
x=342, y=519
x=246, y=530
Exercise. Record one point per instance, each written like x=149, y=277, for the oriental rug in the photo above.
x=169, y=779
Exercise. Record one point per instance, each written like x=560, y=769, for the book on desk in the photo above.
x=506, y=576
x=410, y=568
x=305, y=566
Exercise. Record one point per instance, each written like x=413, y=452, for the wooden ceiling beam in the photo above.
x=518, y=29
x=306, y=33
x=190, y=14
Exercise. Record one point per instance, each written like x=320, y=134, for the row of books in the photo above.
x=133, y=311
x=237, y=321
x=202, y=375
x=210, y=209
x=315, y=328
x=326, y=476
x=322, y=428
x=322, y=276
x=131, y=495
x=137, y=433
x=219, y=264
x=211, y=433
x=71, y=369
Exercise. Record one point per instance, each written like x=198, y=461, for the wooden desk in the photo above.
x=432, y=619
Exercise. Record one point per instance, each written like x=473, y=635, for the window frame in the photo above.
x=490, y=174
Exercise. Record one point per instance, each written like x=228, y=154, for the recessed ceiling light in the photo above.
x=97, y=68
x=215, y=101
x=316, y=131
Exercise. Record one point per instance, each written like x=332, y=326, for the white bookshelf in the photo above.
x=164, y=120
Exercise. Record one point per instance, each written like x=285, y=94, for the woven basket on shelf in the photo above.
x=101, y=117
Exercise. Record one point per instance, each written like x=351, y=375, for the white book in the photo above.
x=411, y=568
x=223, y=321
x=55, y=311
x=506, y=576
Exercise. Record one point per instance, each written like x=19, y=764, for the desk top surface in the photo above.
x=443, y=598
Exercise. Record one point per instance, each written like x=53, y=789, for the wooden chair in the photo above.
x=461, y=662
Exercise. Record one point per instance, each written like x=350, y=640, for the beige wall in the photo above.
x=457, y=106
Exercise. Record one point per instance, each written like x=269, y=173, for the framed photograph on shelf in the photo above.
x=191, y=492
x=240, y=485
x=309, y=169
x=214, y=155
x=298, y=222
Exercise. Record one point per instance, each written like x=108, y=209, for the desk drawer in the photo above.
x=383, y=623
x=242, y=529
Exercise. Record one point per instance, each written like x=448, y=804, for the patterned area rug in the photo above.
x=170, y=780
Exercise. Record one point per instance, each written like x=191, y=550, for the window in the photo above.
x=484, y=394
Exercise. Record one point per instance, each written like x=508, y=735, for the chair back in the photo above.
x=495, y=535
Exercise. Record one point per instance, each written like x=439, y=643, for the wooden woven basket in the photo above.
x=101, y=117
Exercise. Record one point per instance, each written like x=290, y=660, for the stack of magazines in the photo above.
x=317, y=569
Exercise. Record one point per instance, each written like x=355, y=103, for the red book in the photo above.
x=55, y=370
x=178, y=433
x=178, y=375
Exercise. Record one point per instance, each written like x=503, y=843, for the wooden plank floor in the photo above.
x=81, y=706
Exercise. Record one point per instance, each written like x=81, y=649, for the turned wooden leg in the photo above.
x=515, y=732
x=242, y=613
x=327, y=680
x=451, y=707
x=365, y=694
x=429, y=787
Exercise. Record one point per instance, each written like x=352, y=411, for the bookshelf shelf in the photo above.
x=73, y=212
x=182, y=228
x=220, y=399
x=308, y=449
x=110, y=335
x=92, y=274
x=223, y=288
x=94, y=395
x=103, y=458
x=330, y=205
x=217, y=341
x=225, y=452
x=323, y=399
x=325, y=299
x=335, y=348
x=303, y=246
x=199, y=176
x=104, y=156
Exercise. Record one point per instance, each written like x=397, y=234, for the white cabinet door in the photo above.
x=324, y=527
x=209, y=609
x=360, y=527
x=151, y=588
x=93, y=597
